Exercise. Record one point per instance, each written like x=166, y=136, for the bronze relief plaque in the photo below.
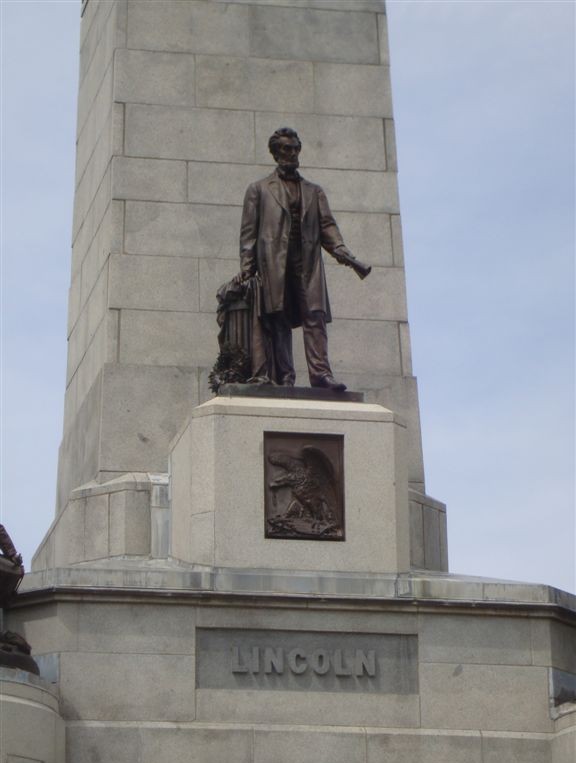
x=304, y=486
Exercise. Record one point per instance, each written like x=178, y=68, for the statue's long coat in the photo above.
x=264, y=242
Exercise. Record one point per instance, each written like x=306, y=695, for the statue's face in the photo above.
x=287, y=153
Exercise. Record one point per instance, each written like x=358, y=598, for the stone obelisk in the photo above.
x=177, y=100
x=171, y=622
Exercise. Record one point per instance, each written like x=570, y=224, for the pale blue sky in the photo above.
x=484, y=105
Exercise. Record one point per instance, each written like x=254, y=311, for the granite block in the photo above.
x=127, y=687
x=200, y=545
x=314, y=35
x=224, y=183
x=95, y=178
x=69, y=536
x=431, y=521
x=154, y=283
x=200, y=745
x=78, y=455
x=320, y=618
x=31, y=726
x=193, y=26
x=169, y=132
x=261, y=707
x=380, y=296
x=405, y=349
x=357, y=190
x=92, y=82
x=96, y=527
x=106, y=742
x=142, y=76
x=486, y=697
x=155, y=337
x=364, y=345
x=478, y=640
x=148, y=179
x=94, y=140
x=416, y=536
x=102, y=349
x=397, y=245
x=146, y=407
x=368, y=236
x=49, y=628
x=390, y=140
x=376, y=6
x=182, y=230
x=423, y=747
x=136, y=628
x=564, y=746
x=130, y=523
x=507, y=748
x=254, y=84
x=360, y=91
x=318, y=745
x=383, y=39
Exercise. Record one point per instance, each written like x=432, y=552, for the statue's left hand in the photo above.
x=344, y=258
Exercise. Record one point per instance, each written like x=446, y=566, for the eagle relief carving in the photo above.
x=304, y=486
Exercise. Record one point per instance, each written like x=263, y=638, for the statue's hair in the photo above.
x=282, y=132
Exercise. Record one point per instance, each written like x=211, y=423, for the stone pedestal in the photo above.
x=218, y=486
x=166, y=662
x=31, y=728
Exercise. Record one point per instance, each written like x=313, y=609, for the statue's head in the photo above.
x=285, y=146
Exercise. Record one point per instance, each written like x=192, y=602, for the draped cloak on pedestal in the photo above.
x=243, y=325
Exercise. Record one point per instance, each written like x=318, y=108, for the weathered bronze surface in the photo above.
x=286, y=222
x=7, y=548
x=15, y=653
x=11, y=568
x=304, y=486
x=14, y=649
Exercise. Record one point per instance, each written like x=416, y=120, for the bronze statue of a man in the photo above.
x=286, y=221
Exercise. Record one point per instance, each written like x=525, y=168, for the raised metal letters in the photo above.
x=304, y=490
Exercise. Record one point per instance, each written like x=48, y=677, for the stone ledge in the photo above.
x=158, y=578
x=30, y=686
x=310, y=409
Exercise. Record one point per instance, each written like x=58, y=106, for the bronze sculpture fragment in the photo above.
x=14, y=649
x=304, y=493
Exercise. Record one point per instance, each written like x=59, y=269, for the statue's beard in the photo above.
x=289, y=164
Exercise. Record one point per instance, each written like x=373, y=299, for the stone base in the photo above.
x=126, y=516
x=171, y=663
x=219, y=481
x=130, y=514
x=290, y=393
x=31, y=728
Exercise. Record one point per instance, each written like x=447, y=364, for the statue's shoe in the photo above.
x=329, y=382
